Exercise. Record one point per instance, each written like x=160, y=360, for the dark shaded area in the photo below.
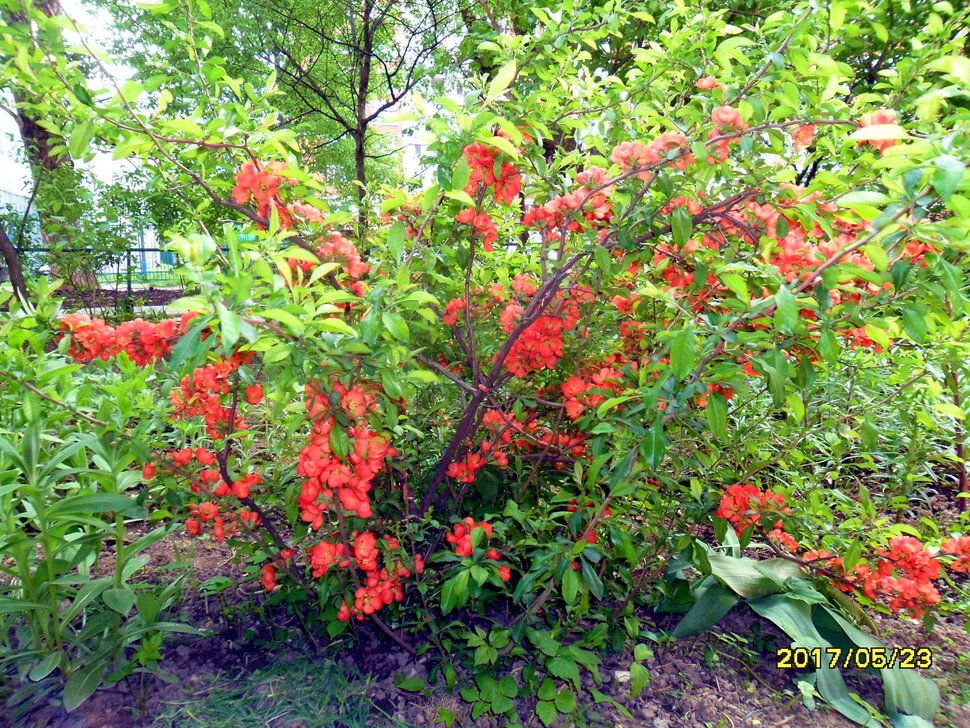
x=120, y=299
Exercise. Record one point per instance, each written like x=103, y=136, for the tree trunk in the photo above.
x=38, y=143
x=360, y=133
x=12, y=261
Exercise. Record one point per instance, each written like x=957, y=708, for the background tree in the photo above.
x=340, y=66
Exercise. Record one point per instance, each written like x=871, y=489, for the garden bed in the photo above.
x=254, y=667
x=113, y=298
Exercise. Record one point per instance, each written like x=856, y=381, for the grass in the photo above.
x=304, y=692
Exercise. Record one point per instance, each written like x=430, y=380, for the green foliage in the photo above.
x=745, y=308
x=65, y=498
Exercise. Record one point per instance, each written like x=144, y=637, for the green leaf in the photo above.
x=82, y=684
x=566, y=702
x=794, y=618
x=119, y=600
x=84, y=505
x=786, y=311
x=502, y=80
x=507, y=686
x=395, y=240
x=189, y=345
x=230, y=324
x=502, y=704
x=717, y=415
x=639, y=677
x=570, y=586
x=906, y=690
x=454, y=593
x=547, y=712
x=592, y=579
x=566, y=669
x=947, y=175
x=682, y=353
x=710, y=606
x=411, y=685
x=914, y=324
x=653, y=445
x=752, y=579
x=286, y=318
x=82, y=95
x=45, y=667
x=544, y=641
x=547, y=690
x=462, y=174
x=81, y=137
x=396, y=326
x=737, y=285
x=682, y=225
x=505, y=145
x=336, y=326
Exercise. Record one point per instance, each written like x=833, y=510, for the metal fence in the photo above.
x=143, y=265
x=137, y=268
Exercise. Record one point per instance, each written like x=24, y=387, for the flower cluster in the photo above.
x=483, y=225
x=454, y=307
x=204, y=393
x=743, y=506
x=460, y=537
x=466, y=470
x=208, y=513
x=344, y=477
x=579, y=393
x=903, y=575
x=335, y=248
x=144, y=342
x=262, y=184
x=960, y=548
x=727, y=123
x=881, y=117
x=591, y=199
x=481, y=159
x=541, y=344
x=380, y=586
x=527, y=436
x=636, y=156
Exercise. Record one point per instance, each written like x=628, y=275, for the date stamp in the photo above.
x=862, y=658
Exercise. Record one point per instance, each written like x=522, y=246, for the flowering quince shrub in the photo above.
x=591, y=366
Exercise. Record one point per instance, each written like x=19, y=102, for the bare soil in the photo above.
x=114, y=298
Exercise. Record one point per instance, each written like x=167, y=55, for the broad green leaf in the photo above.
x=502, y=80
x=710, y=606
x=45, y=667
x=639, y=677
x=396, y=326
x=653, y=445
x=786, y=311
x=83, y=505
x=82, y=684
x=717, y=415
x=119, y=600
x=947, y=175
x=683, y=356
x=461, y=175
x=746, y=577
x=395, y=239
x=681, y=225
